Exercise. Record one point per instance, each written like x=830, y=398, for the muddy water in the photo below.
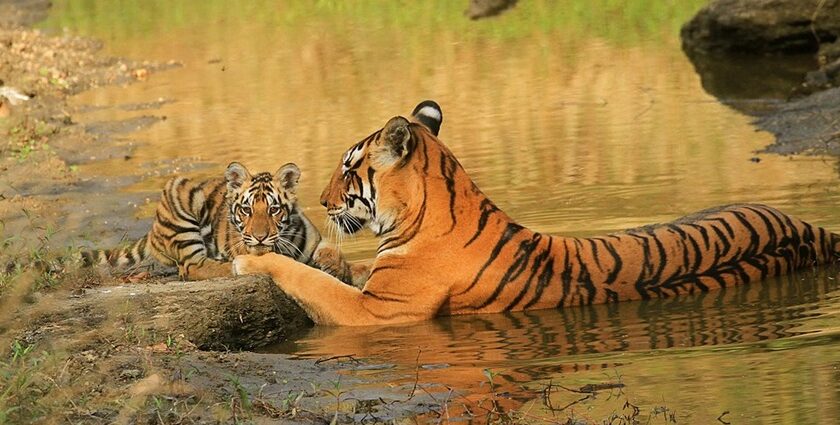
x=576, y=117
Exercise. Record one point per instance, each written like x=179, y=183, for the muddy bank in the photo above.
x=806, y=126
x=41, y=145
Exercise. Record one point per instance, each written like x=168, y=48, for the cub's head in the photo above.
x=261, y=205
x=366, y=188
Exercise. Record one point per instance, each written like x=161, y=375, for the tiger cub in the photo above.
x=200, y=225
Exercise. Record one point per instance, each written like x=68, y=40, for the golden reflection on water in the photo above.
x=572, y=129
x=568, y=133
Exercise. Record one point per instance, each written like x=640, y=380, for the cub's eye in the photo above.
x=246, y=210
x=274, y=210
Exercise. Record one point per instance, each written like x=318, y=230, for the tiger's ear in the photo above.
x=236, y=175
x=395, y=141
x=288, y=176
x=428, y=113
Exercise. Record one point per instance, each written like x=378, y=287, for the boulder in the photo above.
x=763, y=26
x=241, y=313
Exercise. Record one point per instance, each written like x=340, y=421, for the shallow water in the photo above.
x=576, y=117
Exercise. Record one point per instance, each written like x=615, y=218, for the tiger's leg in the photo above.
x=328, y=301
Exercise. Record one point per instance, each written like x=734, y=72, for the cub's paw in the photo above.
x=330, y=260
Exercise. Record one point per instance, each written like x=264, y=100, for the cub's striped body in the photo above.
x=201, y=224
x=445, y=248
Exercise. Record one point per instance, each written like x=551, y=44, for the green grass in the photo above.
x=619, y=21
x=20, y=387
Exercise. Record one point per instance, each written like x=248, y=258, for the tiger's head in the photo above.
x=367, y=188
x=261, y=205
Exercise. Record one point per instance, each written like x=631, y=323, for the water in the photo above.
x=576, y=117
x=766, y=353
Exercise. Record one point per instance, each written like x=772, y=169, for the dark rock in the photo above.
x=240, y=313
x=130, y=374
x=485, y=8
x=763, y=26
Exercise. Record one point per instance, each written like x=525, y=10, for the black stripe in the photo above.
x=545, y=277
x=584, y=279
x=520, y=263
x=565, y=275
x=646, y=268
x=447, y=169
x=487, y=207
x=511, y=230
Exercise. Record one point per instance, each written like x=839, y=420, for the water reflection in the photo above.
x=725, y=339
x=751, y=84
x=570, y=125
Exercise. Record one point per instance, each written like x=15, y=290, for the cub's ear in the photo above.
x=288, y=176
x=428, y=113
x=236, y=175
x=396, y=141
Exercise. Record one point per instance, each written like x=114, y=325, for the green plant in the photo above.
x=17, y=383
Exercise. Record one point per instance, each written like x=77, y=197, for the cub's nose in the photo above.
x=260, y=236
x=324, y=202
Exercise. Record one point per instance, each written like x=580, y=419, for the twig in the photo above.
x=416, y=374
x=349, y=357
x=720, y=418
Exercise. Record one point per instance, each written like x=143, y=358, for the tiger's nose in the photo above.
x=260, y=236
x=323, y=202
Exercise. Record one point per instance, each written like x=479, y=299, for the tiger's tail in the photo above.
x=129, y=256
x=428, y=113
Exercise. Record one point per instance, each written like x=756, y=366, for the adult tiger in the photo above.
x=445, y=248
x=201, y=224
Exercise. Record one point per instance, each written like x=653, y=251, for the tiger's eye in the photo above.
x=246, y=210
x=274, y=210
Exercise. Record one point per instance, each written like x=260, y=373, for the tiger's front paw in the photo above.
x=254, y=264
x=248, y=264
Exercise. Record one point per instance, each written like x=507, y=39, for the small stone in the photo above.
x=131, y=374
